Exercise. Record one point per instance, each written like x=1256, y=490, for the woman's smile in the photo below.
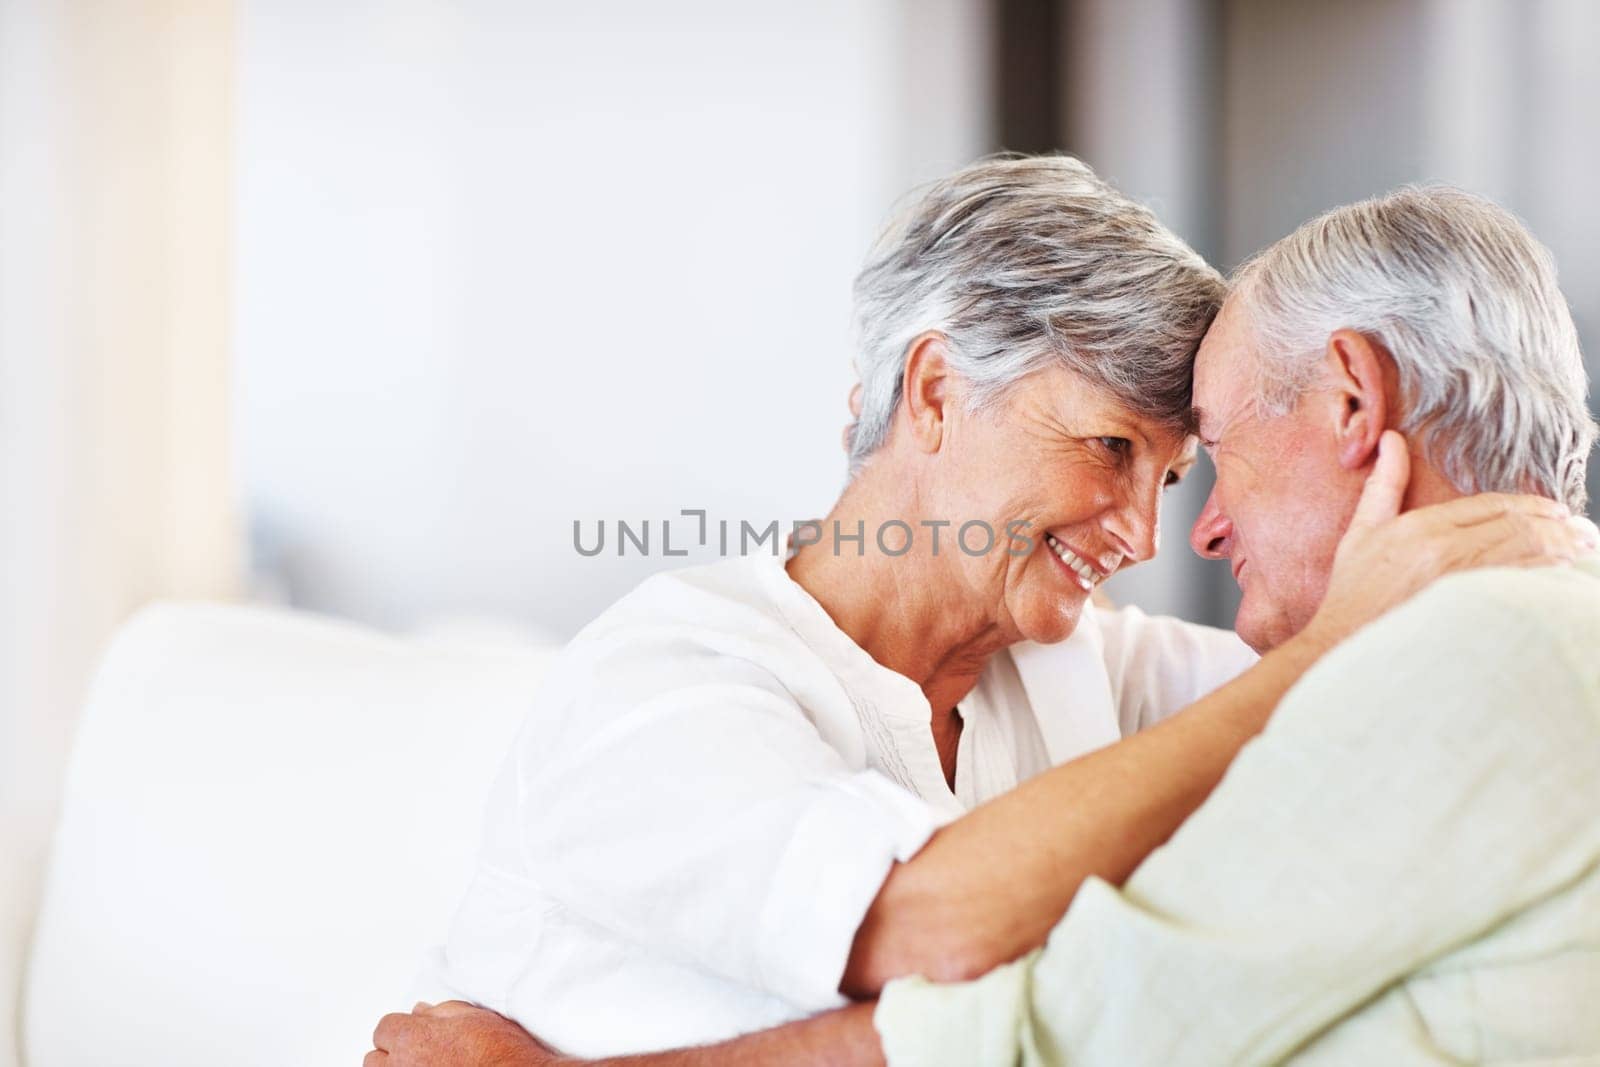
x=1083, y=573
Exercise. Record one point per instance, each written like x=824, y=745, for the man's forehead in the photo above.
x=1219, y=382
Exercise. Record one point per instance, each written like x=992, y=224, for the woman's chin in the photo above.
x=1048, y=620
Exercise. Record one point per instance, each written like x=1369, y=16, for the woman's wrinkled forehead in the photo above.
x=1081, y=404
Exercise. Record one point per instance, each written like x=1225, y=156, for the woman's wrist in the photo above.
x=1315, y=640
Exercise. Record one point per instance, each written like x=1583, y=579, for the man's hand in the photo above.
x=455, y=1034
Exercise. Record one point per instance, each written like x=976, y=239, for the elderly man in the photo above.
x=1405, y=866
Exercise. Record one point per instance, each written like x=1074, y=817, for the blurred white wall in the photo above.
x=1321, y=104
x=502, y=266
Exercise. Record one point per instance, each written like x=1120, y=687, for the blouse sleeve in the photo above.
x=683, y=799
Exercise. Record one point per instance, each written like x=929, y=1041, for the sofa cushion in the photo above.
x=268, y=819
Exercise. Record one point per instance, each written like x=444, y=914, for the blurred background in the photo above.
x=359, y=306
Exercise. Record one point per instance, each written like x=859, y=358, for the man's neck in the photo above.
x=1427, y=485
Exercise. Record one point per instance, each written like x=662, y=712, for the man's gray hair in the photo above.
x=1465, y=299
x=1025, y=261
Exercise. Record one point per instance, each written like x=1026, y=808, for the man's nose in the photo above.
x=1212, y=535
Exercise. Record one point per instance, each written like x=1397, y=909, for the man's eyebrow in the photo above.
x=1197, y=419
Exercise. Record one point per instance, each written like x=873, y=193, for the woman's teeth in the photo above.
x=1073, y=560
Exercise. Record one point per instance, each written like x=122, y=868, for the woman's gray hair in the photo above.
x=1025, y=261
x=1465, y=300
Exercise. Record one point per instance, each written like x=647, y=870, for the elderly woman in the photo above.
x=754, y=789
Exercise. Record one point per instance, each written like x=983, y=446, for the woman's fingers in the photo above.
x=1386, y=485
x=1586, y=531
x=1487, y=507
x=1517, y=539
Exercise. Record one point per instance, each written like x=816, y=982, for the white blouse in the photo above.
x=714, y=782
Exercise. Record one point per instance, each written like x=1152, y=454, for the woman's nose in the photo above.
x=1136, y=526
x=1212, y=535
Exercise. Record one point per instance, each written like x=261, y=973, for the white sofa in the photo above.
x=268, y=818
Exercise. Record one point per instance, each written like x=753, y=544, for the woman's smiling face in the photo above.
x=1074, y=472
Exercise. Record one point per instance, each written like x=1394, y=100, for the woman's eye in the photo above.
x=1172, y=479
x=1117, y=446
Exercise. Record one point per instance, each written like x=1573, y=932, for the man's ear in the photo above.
x=925, y=388
x=1364, y=382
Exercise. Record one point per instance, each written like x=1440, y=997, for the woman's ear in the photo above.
x=925, y=389
x=1364, y=381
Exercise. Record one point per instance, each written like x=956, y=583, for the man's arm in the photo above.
x=460, y=1035
x=1425, y=783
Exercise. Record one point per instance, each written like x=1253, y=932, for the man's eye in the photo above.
x=1117, y=446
